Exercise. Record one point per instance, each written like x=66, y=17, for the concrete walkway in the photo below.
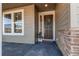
x=39, y=49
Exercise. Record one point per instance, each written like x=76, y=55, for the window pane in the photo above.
x=18, y=27
x=7, y=23
x=18, y=17
x=18, y=22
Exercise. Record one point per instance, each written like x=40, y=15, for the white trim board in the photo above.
x=47, y=13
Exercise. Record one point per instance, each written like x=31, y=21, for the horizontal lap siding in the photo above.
x=29, y=33
x=62, y=27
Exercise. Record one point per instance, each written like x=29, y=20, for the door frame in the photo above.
x=46, y=13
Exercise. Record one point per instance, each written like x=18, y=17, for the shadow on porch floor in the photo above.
x=39, y=49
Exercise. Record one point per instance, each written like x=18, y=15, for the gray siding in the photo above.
x=62, y=26
x=29, y=28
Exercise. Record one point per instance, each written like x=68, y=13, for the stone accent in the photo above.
x=74, y=12
x=62, y=28
x=70, y=41
x=67, y=28
x=65, y=42
x=75, y=41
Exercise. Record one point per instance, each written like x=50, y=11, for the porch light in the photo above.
x=46, y=5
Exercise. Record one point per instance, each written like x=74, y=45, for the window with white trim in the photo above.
x=13, y=22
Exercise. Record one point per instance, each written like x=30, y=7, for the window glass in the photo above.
x=18, y=22
x=13, y=23
x=41, y=24
x=7, y=23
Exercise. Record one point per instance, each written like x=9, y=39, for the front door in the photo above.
x=48, y=27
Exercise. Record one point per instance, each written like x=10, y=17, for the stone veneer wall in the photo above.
x=74, y=29
x=62, y=28
x=74, y=41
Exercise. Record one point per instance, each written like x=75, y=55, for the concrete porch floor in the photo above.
x=39, y=49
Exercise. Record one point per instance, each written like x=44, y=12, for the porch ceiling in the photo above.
x=39, y=6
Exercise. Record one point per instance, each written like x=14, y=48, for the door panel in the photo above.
x=48, y=26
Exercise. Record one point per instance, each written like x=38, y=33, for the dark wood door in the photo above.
x=48, y=27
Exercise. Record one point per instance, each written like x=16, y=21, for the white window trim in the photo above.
x=12, y=28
